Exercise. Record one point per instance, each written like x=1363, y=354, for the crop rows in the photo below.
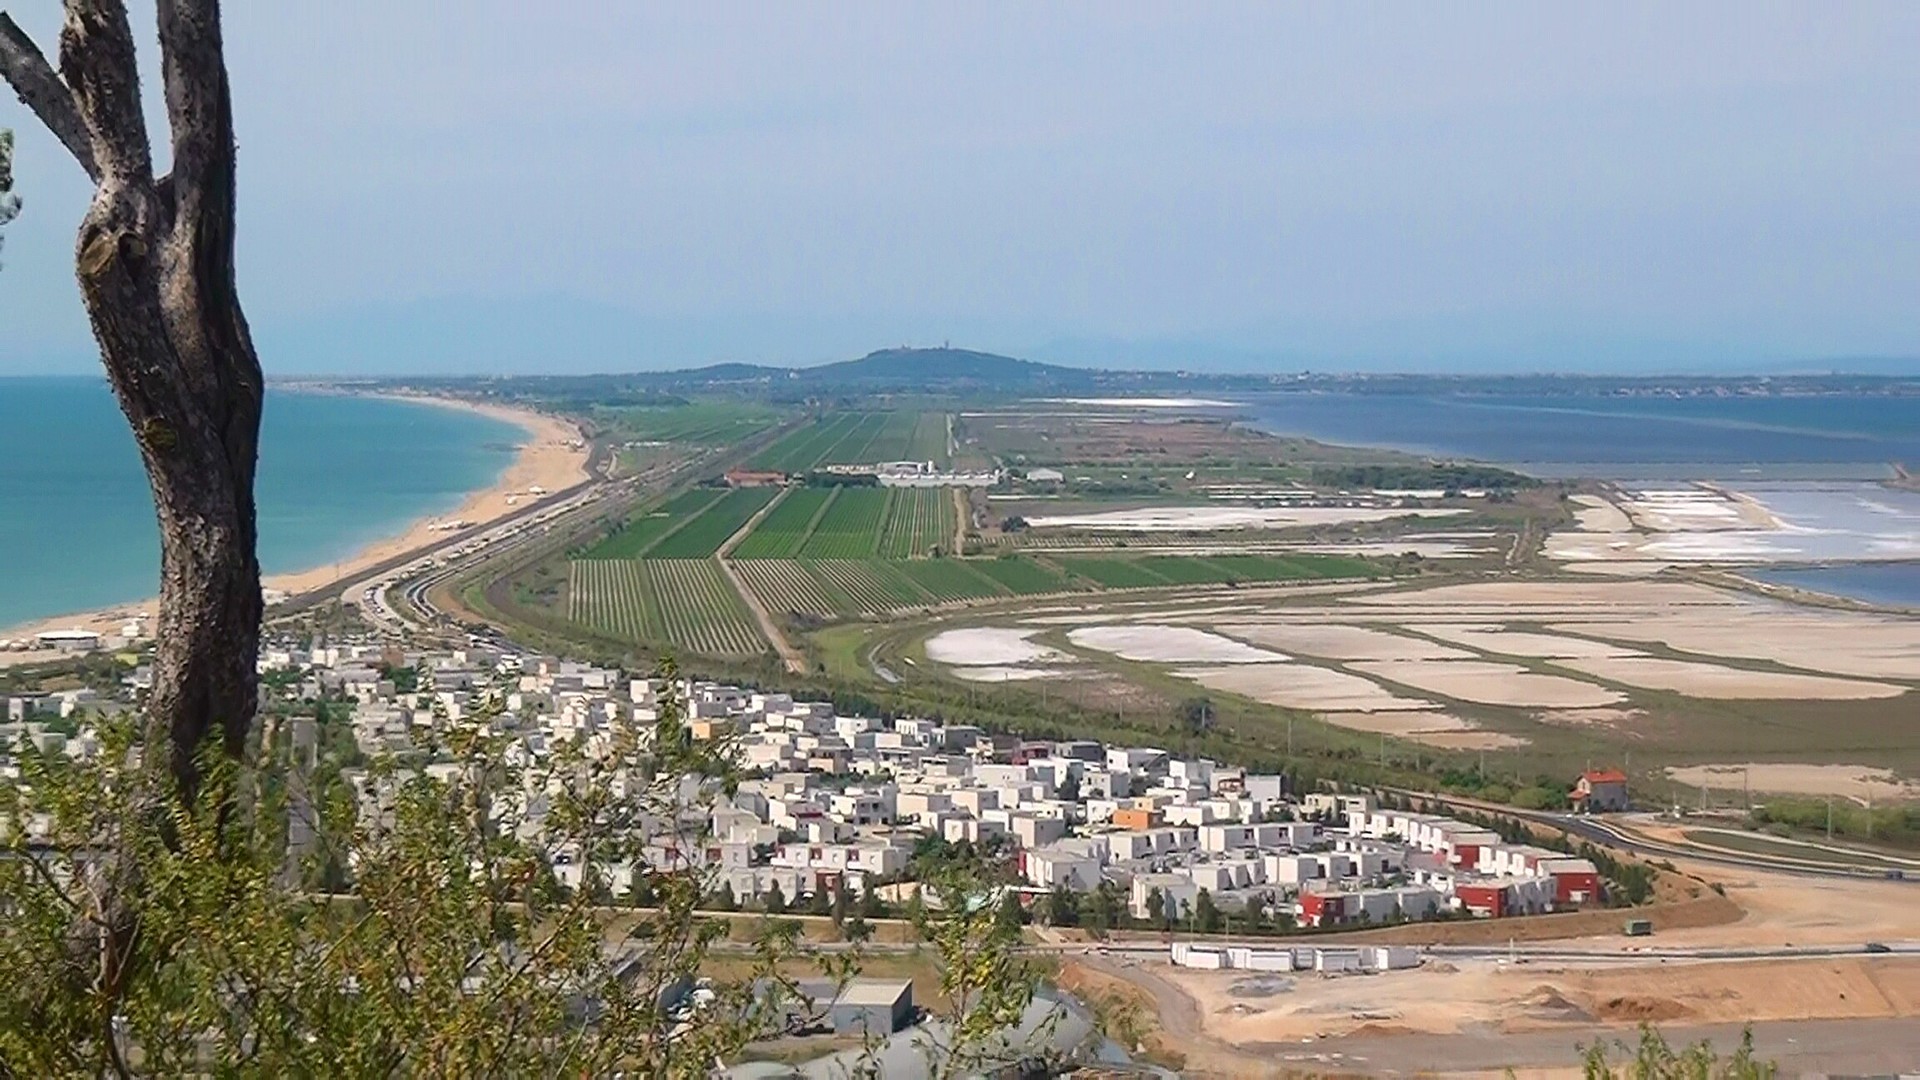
x=804, y=448
x=644, y=530
x=929, y=438
x=789, y=587
x=948, y=579
x=701, y=537
x=868, y=586
x=850, y=528
x=1020, y=576
x=686, y=603
x=854, y=448
x=782, y=532
x=918, y=519
x=612, y=596
x=1112, y=573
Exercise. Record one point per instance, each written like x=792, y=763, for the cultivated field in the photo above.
x=858, y=438
x=686, y=603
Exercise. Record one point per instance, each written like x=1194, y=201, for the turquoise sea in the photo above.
x=336, y=473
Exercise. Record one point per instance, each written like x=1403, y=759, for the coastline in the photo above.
x=553, y=457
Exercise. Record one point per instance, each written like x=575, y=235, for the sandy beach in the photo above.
x=552, y=458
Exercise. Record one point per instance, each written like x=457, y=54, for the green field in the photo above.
x=949, y=579
x=917, y=521
x=702, y=536
x=645, y=529
x=858, y=438
x=695, y=423
x=784, y=530
x=850, y=527
x=807, y=445
x=1021, y=576
x=686, y=603
x=1112, y=573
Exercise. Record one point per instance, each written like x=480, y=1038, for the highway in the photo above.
x=1617, y=833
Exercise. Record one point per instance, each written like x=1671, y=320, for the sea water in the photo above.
x=336, y=473
x=1893, y=584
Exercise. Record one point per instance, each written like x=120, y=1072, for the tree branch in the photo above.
x=98, y=61
x=40, y=89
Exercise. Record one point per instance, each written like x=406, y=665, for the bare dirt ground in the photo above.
x=1847, y=1014
x=1847, y=781
x=1492, y=683
x=1836, y=642
x=1332, y=641
x=988, y=645
x=1302, y=686
x=1714, y=681
x=1431, y=728
x=1169, y=644
x=1498, y=639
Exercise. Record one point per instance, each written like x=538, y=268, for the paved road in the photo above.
x=1615, y=834
x=1883, y=1047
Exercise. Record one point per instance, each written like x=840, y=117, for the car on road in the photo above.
x=1877, y=947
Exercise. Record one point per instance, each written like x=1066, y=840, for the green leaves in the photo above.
x=472, y=938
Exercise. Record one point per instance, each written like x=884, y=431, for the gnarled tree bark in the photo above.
x=155, y=263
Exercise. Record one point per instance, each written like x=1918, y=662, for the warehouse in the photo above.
x=873, y=1007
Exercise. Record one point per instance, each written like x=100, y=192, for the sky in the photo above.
x=606, y=186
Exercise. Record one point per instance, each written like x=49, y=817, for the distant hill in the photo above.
x=887, y=369
x=941, y=367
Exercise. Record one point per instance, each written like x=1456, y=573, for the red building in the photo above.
x=1323, y=909
x=1575, y=886
x=1486, y=901
x=1601, y=790
x=741, y=478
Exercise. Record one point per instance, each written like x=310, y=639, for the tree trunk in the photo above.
x=154, y=259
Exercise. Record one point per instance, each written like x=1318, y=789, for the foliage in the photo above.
x=1652, y=1058
x=9, y=202
x=1897, y=823
x=1449, y=476
x=985, y=982
x=1206, y=916
x=471, y=942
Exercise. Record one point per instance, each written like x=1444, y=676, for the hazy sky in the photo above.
x=575, y=185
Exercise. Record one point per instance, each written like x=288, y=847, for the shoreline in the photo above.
x=552, y=457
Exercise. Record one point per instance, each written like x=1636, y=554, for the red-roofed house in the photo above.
x=1600, y=790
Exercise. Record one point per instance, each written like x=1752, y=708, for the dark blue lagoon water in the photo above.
x=1895, y=584
x=336, y=473
x=1619, y=438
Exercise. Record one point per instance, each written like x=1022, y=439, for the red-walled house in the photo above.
x=1486, y=901
x=1324, y=909
x=1575, y=881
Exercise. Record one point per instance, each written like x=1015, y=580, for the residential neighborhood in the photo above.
x=831, y=802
